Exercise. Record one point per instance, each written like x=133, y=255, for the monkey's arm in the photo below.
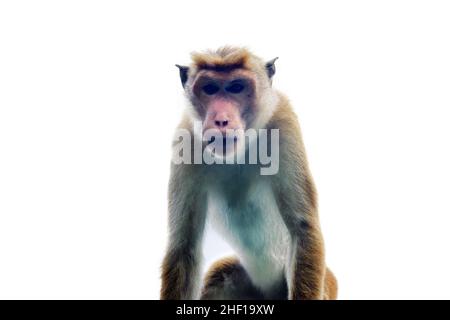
x=180, y=269
x=306, y=265
x=296, y=197
x=307, y=269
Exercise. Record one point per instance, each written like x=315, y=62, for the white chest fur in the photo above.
x=250, y=221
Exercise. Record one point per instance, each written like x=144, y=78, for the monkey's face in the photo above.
x=225, y=104
x=230, y=92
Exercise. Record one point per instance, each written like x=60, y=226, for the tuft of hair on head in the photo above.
x=225, y=58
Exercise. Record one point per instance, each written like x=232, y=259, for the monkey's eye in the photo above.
x=236, y=87
x=210, y=88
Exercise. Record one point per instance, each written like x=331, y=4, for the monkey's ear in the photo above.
x=270, y=67
x=183, y=73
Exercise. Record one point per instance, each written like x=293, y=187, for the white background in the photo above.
x=90, y=97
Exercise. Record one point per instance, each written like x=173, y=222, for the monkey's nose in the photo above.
x=221, y=123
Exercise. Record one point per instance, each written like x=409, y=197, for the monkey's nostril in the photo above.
x=220, y=123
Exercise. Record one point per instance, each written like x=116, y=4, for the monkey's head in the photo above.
x=229, y=91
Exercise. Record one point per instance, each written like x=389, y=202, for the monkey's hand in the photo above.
x=179, y=275
x=308, y=272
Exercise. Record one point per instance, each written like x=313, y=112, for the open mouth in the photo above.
x=227, y=143
x=225, y=140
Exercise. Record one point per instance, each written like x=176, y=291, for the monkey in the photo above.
x=270, y=220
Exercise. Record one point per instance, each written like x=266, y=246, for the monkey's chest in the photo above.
x=251, y=222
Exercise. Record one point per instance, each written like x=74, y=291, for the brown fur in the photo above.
x=227, y=279
x=181, y=262
x=223, y=57
x=226, y=59
x=297, y=201
x=229, y=268
x=331, y=286
x=295, y=194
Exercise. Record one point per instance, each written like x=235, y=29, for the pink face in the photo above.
x=225, y=100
